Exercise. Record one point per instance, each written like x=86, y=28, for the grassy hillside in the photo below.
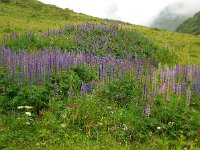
x=71, y=81
x=191, y=25
x=20, y=16
x=185, y=46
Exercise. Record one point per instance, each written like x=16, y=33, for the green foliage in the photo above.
x=38, y=97
x=85, y=73
x=170, y=125
x=119, y=90
x=65, y=82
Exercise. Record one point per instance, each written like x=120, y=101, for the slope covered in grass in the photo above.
x=20, y=16
x=102, y=85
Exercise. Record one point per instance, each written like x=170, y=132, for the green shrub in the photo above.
x=85, y=73
x=37, y=96
x=119, y=90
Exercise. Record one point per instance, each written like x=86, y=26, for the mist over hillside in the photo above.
x=174, y=14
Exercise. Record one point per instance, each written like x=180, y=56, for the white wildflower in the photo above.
x=109, y=108
x=158, y=128
x=28, y=113
x=64, y=116
x=28, y=123
x=100, y=123
x=63, y=125
x=147, y=110
x=171, y=123
x=125, y=127
x=28, y=107
x=150, y=133
x=37, y=144
x=20, y=107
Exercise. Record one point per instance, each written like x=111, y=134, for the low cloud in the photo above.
x=113, y=11
x=186, y=7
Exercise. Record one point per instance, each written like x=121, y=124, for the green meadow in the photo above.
x=73, y=81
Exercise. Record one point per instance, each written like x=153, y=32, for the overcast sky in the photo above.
x=133, y=11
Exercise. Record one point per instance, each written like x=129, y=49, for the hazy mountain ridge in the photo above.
x=191, y=25
x=172, y=16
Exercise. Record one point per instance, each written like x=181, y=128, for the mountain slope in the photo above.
x=191, y=25
x=173, y=15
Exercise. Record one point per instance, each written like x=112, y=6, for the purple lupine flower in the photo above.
x=92, y=85
x=144, y=95
x=136, y=58
x=88, y=87
x=123, y=69
x=70, y=92
x=154, y=82
x=100, y=70
x=188, y=97
x=23, y=75
x=183, y=84
x=30, y=72
x=138, y=69
x=179, y=89
x=173, y=82
x=147, y=110
x=49, y=68
x=83, y=89
x=162, y=77
x=138, y=103
x=112, y=70
x=123, y=54
x=104, y=72
x=37, y=73
x=152, y=96
x=130, y=57
x=55, y=88
x=167, y=99
x=178, y=70
x=43, y=73
x=196, y=86
x=13, y=63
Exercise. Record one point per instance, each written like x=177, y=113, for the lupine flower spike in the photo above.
x=55, y=88
x=188, y=97
x=147, y=110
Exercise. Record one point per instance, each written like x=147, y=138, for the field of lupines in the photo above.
x=106, y=81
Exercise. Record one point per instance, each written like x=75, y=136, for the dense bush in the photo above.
x=122, y=90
